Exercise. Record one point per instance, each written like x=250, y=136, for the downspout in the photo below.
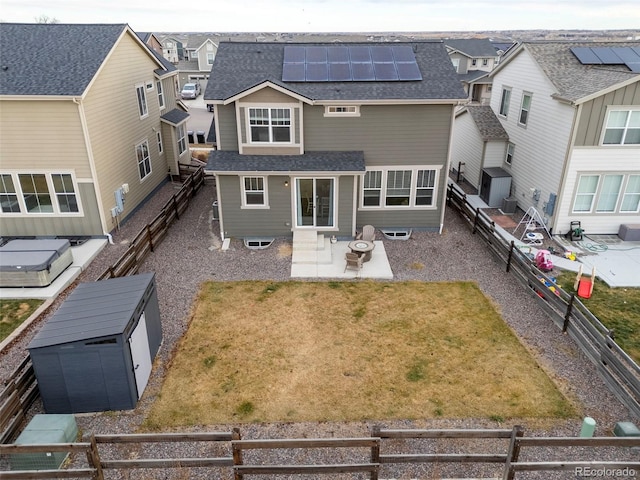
x=447, y=166
x=92, y=165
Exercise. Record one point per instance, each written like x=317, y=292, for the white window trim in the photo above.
x=148, y=174
x=624, y=193
x=618, y=108
x=412, y=195
x=522, y=109
x=159, y=141
x=513, y=153
x=149, y=85
x=145, y=113
x=161, y=100
x=593, y=210
x=181, y=140
x=56, y=206
x=506, y=114
x=336, y=111
x=265, y=193
x=270, y=143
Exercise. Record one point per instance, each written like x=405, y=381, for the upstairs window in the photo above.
x=341, y=111
x=210, y=57
x=524, y=108
x=270, y=125
x=504, y=101
x=182, y=139
x=623, y=128
x=141, y=94
x=160, y=94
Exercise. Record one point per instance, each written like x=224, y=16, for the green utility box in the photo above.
x=626, y=429
x=43, y=428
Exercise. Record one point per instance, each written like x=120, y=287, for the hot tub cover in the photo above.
x=31, y=255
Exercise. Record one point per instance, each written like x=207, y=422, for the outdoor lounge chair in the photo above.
x=353, y=261
x=368, y=233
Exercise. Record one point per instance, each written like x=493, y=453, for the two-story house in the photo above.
x=572, y=114
x=84, y=139
x=473, y=59
x=172, y=48
x=331, y=136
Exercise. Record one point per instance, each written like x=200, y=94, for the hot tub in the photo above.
x=33, y=263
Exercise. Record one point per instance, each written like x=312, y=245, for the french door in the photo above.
x=315, y=202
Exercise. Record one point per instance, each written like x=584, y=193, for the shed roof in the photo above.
x=240, y=66
x=94, y=310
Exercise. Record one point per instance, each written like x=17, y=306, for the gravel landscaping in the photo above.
x=191, y=254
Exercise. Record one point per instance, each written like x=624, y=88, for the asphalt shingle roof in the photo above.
x=243, y=65
x=488, y=124
x=175, y=116
x=230, y=161
x=52, y=59
x=473, y=47
x=572, y=79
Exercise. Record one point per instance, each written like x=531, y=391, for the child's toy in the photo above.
x=543, y=260
x=551, y=284
x=584, y=286
x=570, y=255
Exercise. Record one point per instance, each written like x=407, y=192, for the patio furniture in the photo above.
x=362, y=248
x=354, y=261
x=368, y=233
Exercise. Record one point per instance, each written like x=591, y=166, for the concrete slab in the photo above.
x=82, y=256
x=376, y=268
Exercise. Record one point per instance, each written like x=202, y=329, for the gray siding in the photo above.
x=88, y=224
x=593, y=116
x=227, y=133
x=427, y=220
x=388, y=135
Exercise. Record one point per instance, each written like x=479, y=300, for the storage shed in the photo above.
x=495, y=186
x=95, y=353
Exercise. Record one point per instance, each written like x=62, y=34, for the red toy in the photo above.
x=543, y=260
x=584, y=286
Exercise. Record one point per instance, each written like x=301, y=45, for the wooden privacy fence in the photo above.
x=620, y=373
x=365, y=456
x=20, y=391
x=154, y=232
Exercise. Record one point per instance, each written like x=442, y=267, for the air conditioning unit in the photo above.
x=509, y=205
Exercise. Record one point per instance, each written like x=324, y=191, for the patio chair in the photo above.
x=368, y=233
x=354, y=261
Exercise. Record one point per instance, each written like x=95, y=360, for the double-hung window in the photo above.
x=504, y=101
x=622, y=128
x=160, y=94
x=141, y=95
x=182, y=139
x=511, y=148
x=254, y=191
x=586, y=193
x=37, y=193
x=631, y=197
x=525, y=107
x=159, y=140
x=270, y=125
x=144, y=160
x=399, y=188
x=608, y=193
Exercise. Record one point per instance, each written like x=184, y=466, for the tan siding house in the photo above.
x=102, y=144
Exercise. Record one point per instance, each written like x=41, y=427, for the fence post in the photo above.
x=175, y=206
x=511, y=247
x=565, y=325
x=237, y=453
x=149, y=238
x=93, y=457
x=449, y=193
x=375, y=451
x=513, y=453
x=475, y=220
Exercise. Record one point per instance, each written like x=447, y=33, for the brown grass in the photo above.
x=299, y=351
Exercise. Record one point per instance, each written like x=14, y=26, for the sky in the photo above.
x=333, y=15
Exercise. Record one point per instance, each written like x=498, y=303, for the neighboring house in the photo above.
x=172, y=48
x=473, y=59
x=151, y=41
x=84, y=139
x=200, y=52
x=572, y=114
x=479, y=142
x=331, y=136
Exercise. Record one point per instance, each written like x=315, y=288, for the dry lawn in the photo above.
x=300, y=351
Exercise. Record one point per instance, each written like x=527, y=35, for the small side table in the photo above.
x=362, y=248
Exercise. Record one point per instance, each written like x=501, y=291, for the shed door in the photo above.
x=139, y=344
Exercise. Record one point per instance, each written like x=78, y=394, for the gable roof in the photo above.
x=240, y=66
x=573, y=80
x=488, y=124
x=55, y=59
x=472, y=47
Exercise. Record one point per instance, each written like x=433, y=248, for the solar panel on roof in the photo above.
x=634, y=66
x=316, y=54
x=362, y=72
x=338, y=55
x=586, y=56
x=294, y=55
x=627, y=54
x=408, y=71
x=385, y=71
x=293, y=72
x=317, y=72
x=339, y=72
x=381, y=54
x=357, y=63
x=607, y=55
